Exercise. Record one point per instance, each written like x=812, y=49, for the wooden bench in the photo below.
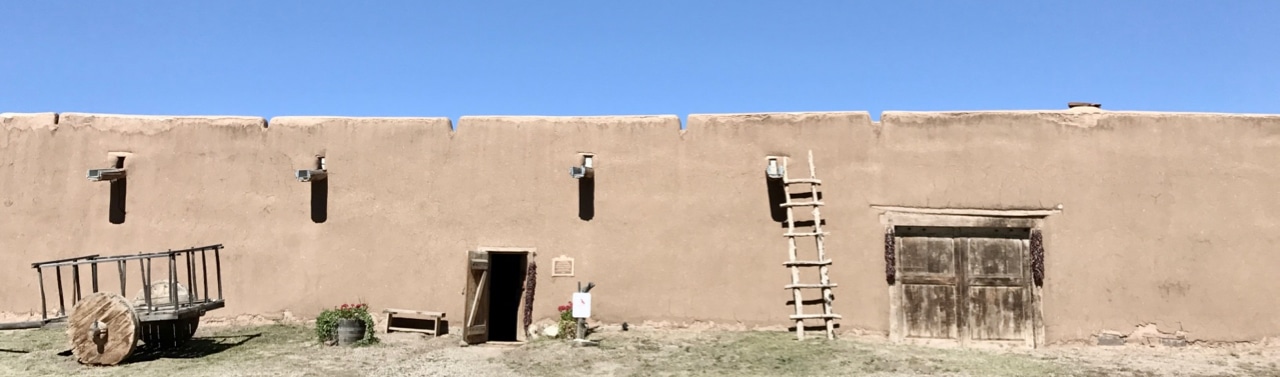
x=412, y=321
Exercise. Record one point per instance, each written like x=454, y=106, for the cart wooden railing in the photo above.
x=169, y=315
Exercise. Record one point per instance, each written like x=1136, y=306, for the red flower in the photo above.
x=344, y=306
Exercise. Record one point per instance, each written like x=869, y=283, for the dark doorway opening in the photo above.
x=506, y=275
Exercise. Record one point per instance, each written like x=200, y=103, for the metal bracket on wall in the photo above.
x=110, y=174
x=587, y=168
x=317, y=174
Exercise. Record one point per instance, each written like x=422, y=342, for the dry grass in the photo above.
x=289, y=350
x=762, y=354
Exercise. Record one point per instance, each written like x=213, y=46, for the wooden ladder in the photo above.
x=823, y=263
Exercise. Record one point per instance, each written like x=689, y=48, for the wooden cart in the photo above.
x=104, y=326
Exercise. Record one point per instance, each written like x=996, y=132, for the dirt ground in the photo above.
x=289, y=350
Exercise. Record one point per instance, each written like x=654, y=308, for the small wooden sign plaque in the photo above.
x=562, y=266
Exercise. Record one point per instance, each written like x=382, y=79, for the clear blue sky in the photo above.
x=438, y=58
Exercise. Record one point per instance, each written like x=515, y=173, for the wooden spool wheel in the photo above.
x=103, y=329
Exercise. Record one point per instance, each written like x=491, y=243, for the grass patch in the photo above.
x=45, y=352
x=287, y=350
x=763, y=354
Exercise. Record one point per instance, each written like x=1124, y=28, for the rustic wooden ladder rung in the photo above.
x=822, y=262
x=804, y=234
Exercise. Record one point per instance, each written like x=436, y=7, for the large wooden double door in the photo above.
x=963, y=285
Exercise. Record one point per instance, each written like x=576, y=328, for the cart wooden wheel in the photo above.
x=103, y=329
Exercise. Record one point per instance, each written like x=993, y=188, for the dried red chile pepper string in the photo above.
x=531, y=282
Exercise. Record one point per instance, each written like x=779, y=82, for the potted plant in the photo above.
x=348, y=324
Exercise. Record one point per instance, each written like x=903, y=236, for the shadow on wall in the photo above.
x=119, y=190
x=586, y=198
x=320, y=201
x=778, y=196
x=815, y=301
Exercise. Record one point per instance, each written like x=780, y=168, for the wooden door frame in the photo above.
x=894, y=216
x=530, y=253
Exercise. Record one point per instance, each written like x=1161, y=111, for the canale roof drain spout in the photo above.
x=313, y=175
x=586, y=169
x=108, y=174
x=773, y=170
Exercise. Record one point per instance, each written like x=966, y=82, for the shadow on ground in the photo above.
x=192, y=349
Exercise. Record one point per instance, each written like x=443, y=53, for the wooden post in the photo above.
x=217, y=269
x=44, y=303
x=93, y=270
x=173, y=279
x=75, y=284
x=120, y=266
x=204, y=272
x=145, y=266
x=62, y=306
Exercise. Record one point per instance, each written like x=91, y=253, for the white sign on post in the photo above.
x=581, y=305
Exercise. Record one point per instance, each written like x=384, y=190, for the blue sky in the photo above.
x=422, y=58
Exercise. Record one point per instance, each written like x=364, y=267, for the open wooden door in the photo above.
x=476, y=327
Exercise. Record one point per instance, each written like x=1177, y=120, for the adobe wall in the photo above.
x=1169, y=218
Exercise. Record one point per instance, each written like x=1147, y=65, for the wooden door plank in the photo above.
x=475, y=324
x=897, y=305
x=475, y=302
x=1032, y=304
x=927, y=295
x=929, y=280
x=995, y=292
x=998, y=313
x=996, y=258
x=930, y=311
x=932, y=256
x=962, y=246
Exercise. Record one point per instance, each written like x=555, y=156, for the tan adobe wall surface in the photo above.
x=1169, y=218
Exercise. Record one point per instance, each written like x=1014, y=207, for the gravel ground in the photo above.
x=289, y=350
